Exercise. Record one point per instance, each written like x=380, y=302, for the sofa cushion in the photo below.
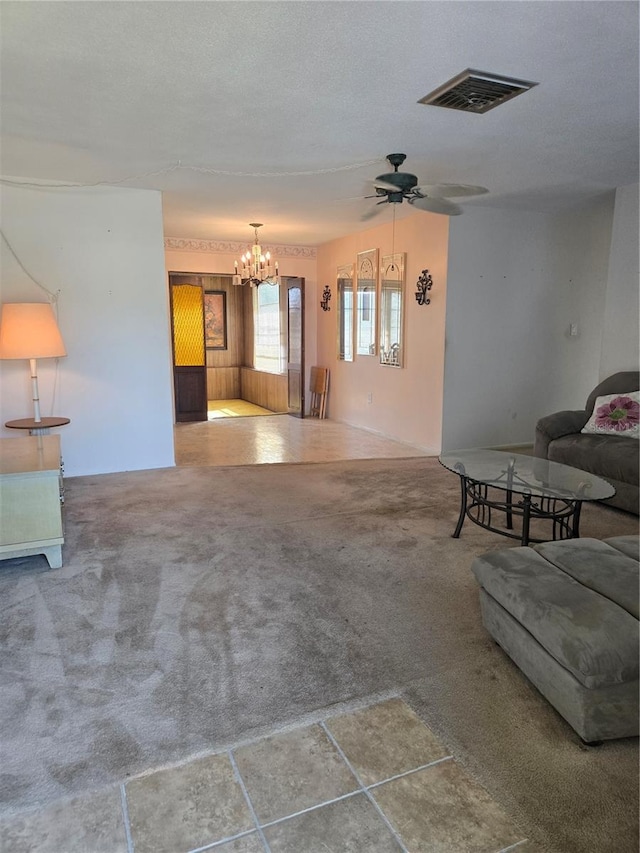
x=629, y=545
x=615, y=414
x=602, y=455
x=587, y=633
x=599, y=566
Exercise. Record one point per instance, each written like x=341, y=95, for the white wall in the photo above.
x=620, y=336
x=101, y=250
x=516, y=283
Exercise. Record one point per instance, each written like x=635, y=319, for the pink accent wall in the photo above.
x=406, y=403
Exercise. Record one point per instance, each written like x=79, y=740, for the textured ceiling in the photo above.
x=98, y=91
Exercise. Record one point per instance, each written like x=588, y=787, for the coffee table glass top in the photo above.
x=527, y=474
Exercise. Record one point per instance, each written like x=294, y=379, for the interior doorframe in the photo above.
x=287, y=283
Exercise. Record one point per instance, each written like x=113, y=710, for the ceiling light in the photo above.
x=254, y=267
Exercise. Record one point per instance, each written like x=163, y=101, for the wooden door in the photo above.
x=295, y=346
x=189, y=368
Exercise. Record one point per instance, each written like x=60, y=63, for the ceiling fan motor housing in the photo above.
x=404, y=181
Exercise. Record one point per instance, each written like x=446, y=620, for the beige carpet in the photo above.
x=200, y=606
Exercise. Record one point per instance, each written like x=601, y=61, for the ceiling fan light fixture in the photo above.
x=476, y=91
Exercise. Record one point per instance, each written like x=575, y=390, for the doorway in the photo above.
x=238, y=351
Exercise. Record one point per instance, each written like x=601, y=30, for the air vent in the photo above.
x=476, y=91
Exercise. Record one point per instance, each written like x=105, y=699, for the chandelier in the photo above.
x=254, y=267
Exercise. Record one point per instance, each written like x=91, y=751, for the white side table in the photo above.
x=30, y=498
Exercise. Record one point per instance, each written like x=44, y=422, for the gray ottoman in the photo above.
x=567, y=614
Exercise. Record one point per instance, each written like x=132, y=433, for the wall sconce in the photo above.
x=326, y=296
x=425, y=282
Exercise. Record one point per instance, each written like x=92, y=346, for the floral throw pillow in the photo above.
x=616, y=414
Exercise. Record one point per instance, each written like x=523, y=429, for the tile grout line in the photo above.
x=222, y=841
x=366, y=792
x=513, y=846
x=313, y=808
x=125, y=817
x=409, y=772
x=238, y=776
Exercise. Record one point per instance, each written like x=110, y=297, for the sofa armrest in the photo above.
x=554, y=426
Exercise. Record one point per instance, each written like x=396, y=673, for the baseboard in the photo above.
x=428, y=451
x=523, y=449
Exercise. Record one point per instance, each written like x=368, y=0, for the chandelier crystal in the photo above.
x=255, y=268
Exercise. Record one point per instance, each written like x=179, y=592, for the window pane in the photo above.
x=188, y=325
x=267, y=342
x=366, y=287
x=366, y=317
x=294, y=300
x=345, y=319
x=391, y=306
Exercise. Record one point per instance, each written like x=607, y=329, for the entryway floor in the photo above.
x=280, y=438
x=234, y=409
x=375, y=779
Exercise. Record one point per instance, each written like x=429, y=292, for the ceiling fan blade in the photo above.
x=383, y=185
x=436, y=205
x=449, y=190
x=374, y=211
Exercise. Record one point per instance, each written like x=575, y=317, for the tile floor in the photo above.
x=374, y=780
x=234, y=409
x=280, y=438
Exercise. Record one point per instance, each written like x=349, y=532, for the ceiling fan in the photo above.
x=396, y=187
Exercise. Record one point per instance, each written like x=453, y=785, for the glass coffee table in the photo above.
x=511, y=486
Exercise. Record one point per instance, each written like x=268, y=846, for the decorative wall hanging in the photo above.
x=425, y=282
x=326, y=296
x=215, y=319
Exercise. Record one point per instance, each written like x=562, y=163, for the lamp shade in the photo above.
x=29, y=330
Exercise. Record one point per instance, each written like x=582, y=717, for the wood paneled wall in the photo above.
x=231, y=356
x=223, y=383
x=268, y=390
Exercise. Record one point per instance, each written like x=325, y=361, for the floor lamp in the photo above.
x=28, y=330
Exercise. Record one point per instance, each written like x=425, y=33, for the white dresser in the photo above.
x=31, y=498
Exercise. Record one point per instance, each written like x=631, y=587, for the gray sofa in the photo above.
x=567, y=614
x=616, y=459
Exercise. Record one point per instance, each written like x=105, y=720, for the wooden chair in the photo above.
x=319, y=390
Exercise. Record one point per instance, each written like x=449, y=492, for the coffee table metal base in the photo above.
x=480, y=508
